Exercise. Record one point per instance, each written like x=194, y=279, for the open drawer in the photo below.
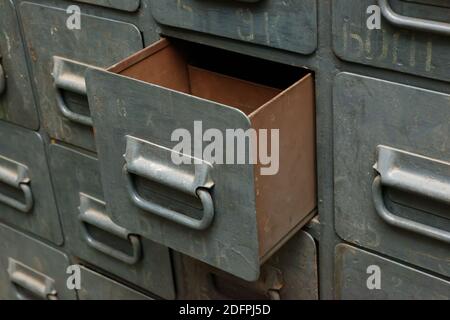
x=180, y=139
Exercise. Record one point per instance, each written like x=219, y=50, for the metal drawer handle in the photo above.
x=90, y=214
x=16, y=175
x=403, y=223
x=203, y=194
x=69, y=75
x=2, y=80
x=31, y=280
x=154, y=162
x=412, y=23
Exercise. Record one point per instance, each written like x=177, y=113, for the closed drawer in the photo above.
x=393, y=198
x=288, y=25
x=291, y=274
x=16, y=98
x=93, y=237
x=187, y=200
x=26, y=194
x=95, y=286
x=31, y=270
x=129, y=5
x=366, y=276
x=414, y=37
x=59, y=58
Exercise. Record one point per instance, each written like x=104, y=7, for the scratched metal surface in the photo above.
x=16, y=99
x=289, y=25
x=75, y=172
x=129, y=5
x=27, y=148
x=39, y=259
x=397, y=281
x=371, y=112
x=420, y=53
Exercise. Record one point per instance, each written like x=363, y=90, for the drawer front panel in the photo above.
x=410, y=49
x=139, y=125
x=31, y=270
x=129, y=5
x=93, y=237
x=393, y=198
x=26, y=194
x=59, y=58
x=362, y=275
x=95, y=286
x=16, y=97
x=288, y=25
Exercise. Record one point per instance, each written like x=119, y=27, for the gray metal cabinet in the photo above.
x=92, y=236
x=95, y=286
x=391, y=174
x=129, y=5
x=59, y=57
x=288, y=25
x=26, y=194
x=209, y=211
x=291, y=274
x=31, y=270
x=414, y=37
x=363, y=275
x=17, y=104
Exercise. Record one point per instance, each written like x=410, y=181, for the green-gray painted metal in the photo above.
x=151, y=113
x=31, y=270
x=95, y=286
x=25, y=181
x=128, y=5
x=411, y=222
x=100, y=42
x=17, y=104
x=357, y=271
x=413, y=38
x=287, y=25
x=93, y=237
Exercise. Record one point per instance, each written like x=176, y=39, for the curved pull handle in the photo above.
x=69, y=75
x=2, y=80
x=412, y=23
x=155, y=163
x=403, y=223
x=91, y=214
x=38, y=284
x=15, y=175
x=177, y=217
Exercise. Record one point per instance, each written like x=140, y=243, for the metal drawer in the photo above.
x=93, y=237
x=414, y=38
x=391, y=175
x=208, y=211
x=129, y=5
x=59, y=58
x=95, y=286
x=26, y=194
x=288, y=25
x=291, y=274
x=31, y=270
x=16, y=97
x=356, y=272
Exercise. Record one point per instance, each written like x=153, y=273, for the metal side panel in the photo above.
x=26, y=193
x=95, y=286
x=59, y=58
x=134, y=123
x=30, y=269
x=291, y=274
x=91, y=236
x=16, y=97
x=390, y=141
x=414, y=38
x=288, y=25
x=363, y=275
x=129, y=5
